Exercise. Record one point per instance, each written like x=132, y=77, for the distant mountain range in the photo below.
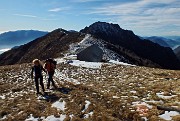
x=172, y=41
x=159, y=40
x=173, y=37
x=123, y=43
x=51, y=45
x=16, y=38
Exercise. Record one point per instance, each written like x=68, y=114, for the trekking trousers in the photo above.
x=50, y=79
x=37, y=79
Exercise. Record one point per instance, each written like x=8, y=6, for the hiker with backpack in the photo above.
x=37, y=70
x=50, y=66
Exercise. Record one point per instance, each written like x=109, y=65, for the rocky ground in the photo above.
x=111, y=92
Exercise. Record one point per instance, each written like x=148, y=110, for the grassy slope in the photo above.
x=98, y=86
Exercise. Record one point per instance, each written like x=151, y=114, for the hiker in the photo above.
x=37, y=69
x=50, y=66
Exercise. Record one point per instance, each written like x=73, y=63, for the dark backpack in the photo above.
x=53, y=61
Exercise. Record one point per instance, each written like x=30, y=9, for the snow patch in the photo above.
x=3, y=118
x=31, y=118
x=70, y=57
x=85, y=38
x=71, y=116
x=141, y=103
x=161, y=95
x=65, y=59
x=88, y=115
x=168, y=115
x=153, y=101
x=40, y=97
x=59, y=105
x=94, y=65
x=52, y=118
x=116, y=97
x=121, y=63
x=60, y=60
x=63, y=76
x=86, y=106
x=2, y=97
x=144, y=118
x=76, y=82
x=133, y=91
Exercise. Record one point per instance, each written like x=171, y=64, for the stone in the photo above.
x=91, y=54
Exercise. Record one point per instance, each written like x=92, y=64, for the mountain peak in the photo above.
x=60, y=30
x=107, y=31
x=102, y=27
x=105, y=24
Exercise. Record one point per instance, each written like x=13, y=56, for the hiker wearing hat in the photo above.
x=50, y=66
x=37, y=69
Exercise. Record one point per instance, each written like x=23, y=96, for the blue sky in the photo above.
x=143, y=17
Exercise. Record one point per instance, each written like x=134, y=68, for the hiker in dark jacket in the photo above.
x=37, y=69
x=50, y=68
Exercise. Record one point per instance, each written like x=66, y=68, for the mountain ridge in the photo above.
x=123, y=42
x=42, y=48
x=164, y=41
x=128, y=40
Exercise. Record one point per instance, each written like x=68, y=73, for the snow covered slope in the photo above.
x=88, y=41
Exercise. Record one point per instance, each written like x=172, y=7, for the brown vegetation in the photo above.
x=114, y=91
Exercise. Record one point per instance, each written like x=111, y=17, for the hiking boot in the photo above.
x=37, y=93
x=45, y=93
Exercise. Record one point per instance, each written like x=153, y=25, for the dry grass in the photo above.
x=111, y=91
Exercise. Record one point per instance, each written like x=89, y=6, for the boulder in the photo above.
x=91, y=54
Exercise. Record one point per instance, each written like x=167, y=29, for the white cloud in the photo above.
x=147, y=14
x=49, y=19
x=86, y=0
x=59, y=9
x=55, y=10
x=135, y=8
x=39, y=18
x=25, y=15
